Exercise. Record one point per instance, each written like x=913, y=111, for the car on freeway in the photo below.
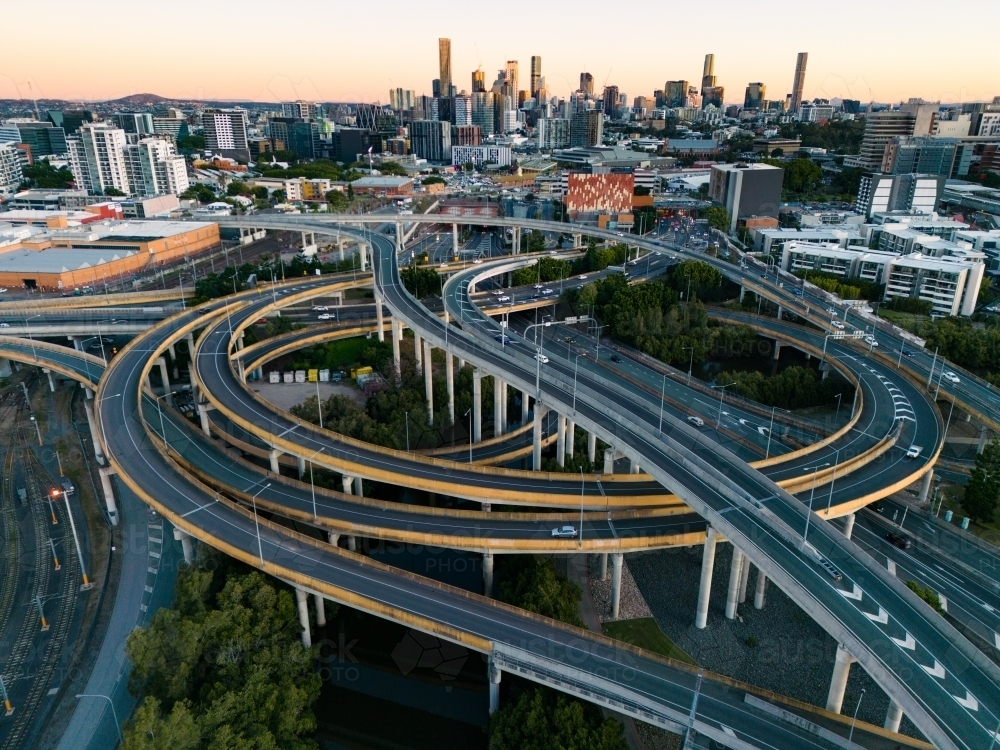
x=2, y=291
x=547, y=291
x=831, y=571
x=898, y=540
x=496, y=291
x=503, y=298
x=833, y=312
x=542, y=358
x=696, y=421
x=797, y=292
x=870, y=340
x=615, y=358
x=582, y=277
x=914, y=451
x=951, y=377
x=564, y=532
x=443, y=265
x=909, y=353
x=502, y=339
x=204, y=310
x=478, y=260
x=4, y=325
x=325, y=316
x=539, y=286
x=320, y=308
x=837, y=324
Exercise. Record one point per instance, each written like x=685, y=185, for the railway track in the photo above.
x=11, y=557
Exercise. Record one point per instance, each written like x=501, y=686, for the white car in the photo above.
x=951, y=377
x=542, y=358
x=696, y=421
x=833, y=312
x=564, y=532
x=837, y=324
x=478, y=260
x=326, y=316
x=583, y=277
x=320, y=308
x=2, y=291
x=539, y=286
x=914, y=451
x=870, y=340
x=504, y=298
x=547, y=291
x=443, y=265
x=4, y=325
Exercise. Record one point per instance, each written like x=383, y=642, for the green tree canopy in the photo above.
x=547, y=269
x=540, y=718
x=792, y=388
x=982, y=492
x=433, y=180
x=42, y=174
x=717, y=217
x=531, y=582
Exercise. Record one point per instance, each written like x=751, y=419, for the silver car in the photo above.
x=564, y=532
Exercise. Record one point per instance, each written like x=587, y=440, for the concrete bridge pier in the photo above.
x=109, y=494
x=893, y=716
x=494, y=674
x=449, y=373
x=363, y=255
x=498, y=389
x=418, y=353
x=52, y=382
x=838, y=683
x=333, y=538
x=185, y=539
x=454, y=240
x=320, y=610
x=925, y=485
x=848, y=525
x=488, y=574
x=570, y=437
x=302, y=467
x=477, y=405
x=516, y=244
x=525, y=406
x=604, y=566
x=616, y=583
x=378, y=317
x=577, y=240
x=302, y=599
x=340, y=247
x=983, y=435
x=536, y=443
x=273, y=455
x=503, y=404
x=428, y=383
x=780, y=310
x=397, y=369
x=777, y=349
x=591, y=447
x=88, y=407
x=203, y=416
x=633, y=466
x=609, y=461
x=561, y=440
x=758, y=597
x=743, y=292
x=87, y=392
x=744, y=579
x=161, y=362
x=735, y=572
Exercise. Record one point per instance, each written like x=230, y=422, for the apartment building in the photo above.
x=97, y=159
x=10, y=168
x=951, y=285
x=154, y=168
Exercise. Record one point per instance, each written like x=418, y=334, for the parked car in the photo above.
x=564, y=532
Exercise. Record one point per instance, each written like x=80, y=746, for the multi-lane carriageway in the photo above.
x=132, y=443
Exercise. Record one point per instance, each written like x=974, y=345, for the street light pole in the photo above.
x=770, y=430
x=256, y=522
x=113, y=712
x=690, y=362
x=854, y=720
x=812, y=492
x=76, y=539
x=722, y=391
x=312, y=483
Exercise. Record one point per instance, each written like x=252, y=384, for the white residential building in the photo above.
x=833, y=258
x=480, y=155
x=97, y=158
x=226, y=131
x=10, y=168
x=950, y=284
x=552, y=133
x=154, y=168
x=768, y=240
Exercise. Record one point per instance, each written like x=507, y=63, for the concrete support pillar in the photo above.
x=503, y=404
x=52, y=382
x=743, y=291
x=88, y=392
x=536, y=452
x=320, y=610
x=616, y=583
x=525, y=406
x=570, y=437
x=428, y=382
x=777, y=349
x=302, y=599
x=302, y=467
x=185, y=539
x=983, y=435
x=893, y=716
x=494, y=675
x=161, y=362
x=378, y=317
x=275, y=466
x=477, y=405
x=88, y=407
x=488, y=574
x=333, y=538
x=734, y=583
x=744, y=579
x=838, y=683
x=363, y=254
x=609, y=461
x=449, y=374
x=397, y=367
x=348, y=484
x=779, y=312
x=925, y=485
x=109, y=494
x=848, y=525
x=604, y=566
x=203, y=416
x=352, y=543
x=340, y=248
x=418, y=353
x=633, y=466
x=591, y=447
x=454, y=240
x=497, y=406
x=758, y=597
x=561, y=441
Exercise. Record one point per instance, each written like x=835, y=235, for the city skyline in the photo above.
x=848, y=60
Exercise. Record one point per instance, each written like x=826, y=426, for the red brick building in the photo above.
x=599, y=193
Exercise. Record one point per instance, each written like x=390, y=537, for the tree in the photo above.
x=539, y=718
x=337, y=199
x=200, y=193
x=238, y=187
x=41, y=174
x=113, y=192
x=778, y=152
x=717, y=218
x=982, y=493
x=531, y=583
x=150, y=729
x=191, y=143
x=433, y=180
x=991, y=179
x=392, y=168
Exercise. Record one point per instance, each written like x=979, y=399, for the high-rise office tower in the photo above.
x=97, y=158
x=587, y=83
x=586, y=128
x=444, y=64
x=536, y=74
x=511, y=70
x=478, y=81
x=611, y=101
x=800, y=80
x=708, y=74
x=755, y=95
x=675, y=93
x=137, y=123
x=482, y=111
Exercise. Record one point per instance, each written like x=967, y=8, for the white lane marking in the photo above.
x=908, y=643
x=969, y=701
x=727, y=731
x=936, y=671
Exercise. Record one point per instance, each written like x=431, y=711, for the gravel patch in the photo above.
x=287, y=395
x=778, y=648
x=631, y=605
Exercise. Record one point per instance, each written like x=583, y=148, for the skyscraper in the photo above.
x=478, y=81
x=611, y=101
x=587, y=83
x=800, y=80
x=226, y=132
x=586, y=128
x=755, y=95
x=675, y=93
x=444, y=63
x=708, y=74
x=536, y=74
x=511, y=78
x=97, y=158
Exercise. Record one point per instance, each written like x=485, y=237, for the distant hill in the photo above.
x=140, y=99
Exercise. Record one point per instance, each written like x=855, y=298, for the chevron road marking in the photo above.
x=855, y=594
x=969, y=701
x=882, y=617
x=936, y=671
x=909, y=642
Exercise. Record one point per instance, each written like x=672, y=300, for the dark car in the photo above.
x=615, y=358
x=898, y=540
x=909, y=353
